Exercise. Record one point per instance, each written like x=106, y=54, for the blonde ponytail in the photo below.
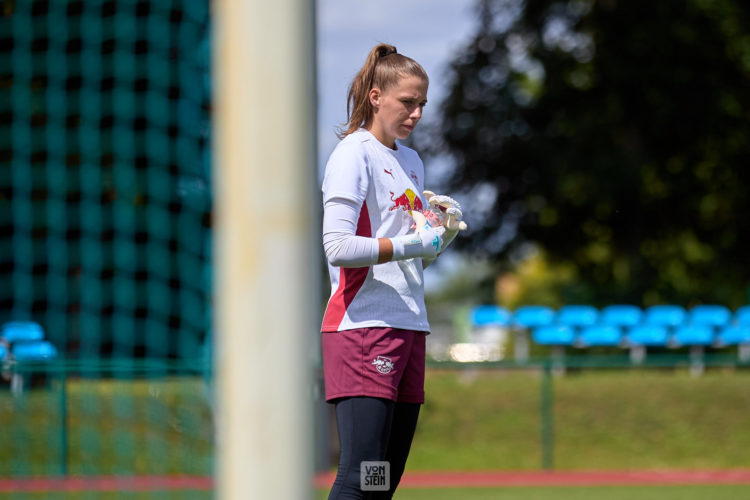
x=383, y=68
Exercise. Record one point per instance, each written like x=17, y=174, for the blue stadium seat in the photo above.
x=648, y=335
x=31, y=350
x=694, y=335
x=21, y=331
x=640, y=337
x=524, y=319
x=34, y=351
x=742, y=316
x=621, y=315
x=710, y=315
x=577, y=316
x=553, y=335
x=665, y=315
x=739, y=335
x=533, y=316
x=489, y=315
x=600, y=335
x=734, y=335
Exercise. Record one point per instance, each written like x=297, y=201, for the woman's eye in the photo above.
x=411, y=103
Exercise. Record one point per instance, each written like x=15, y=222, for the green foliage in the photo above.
x=535, y=280
x=611, y=134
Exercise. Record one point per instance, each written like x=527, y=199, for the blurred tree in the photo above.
x=614, y=135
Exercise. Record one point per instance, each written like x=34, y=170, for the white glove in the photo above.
x=426, y=242
x=449, y=208
x=451, y=212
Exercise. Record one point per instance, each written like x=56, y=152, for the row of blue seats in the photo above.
x=24, y=341
x=623, y=325
x=643, y=335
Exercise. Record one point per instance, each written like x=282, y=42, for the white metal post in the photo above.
x=264, y=167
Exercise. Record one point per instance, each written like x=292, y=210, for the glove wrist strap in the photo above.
x=406, y=246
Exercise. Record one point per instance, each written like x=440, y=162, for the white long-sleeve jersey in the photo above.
x=369, y=191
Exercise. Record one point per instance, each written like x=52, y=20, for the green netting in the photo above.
x=105, y=212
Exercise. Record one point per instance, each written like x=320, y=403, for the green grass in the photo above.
x=702, y=492
x=119, y=495
x=147, y=426
x=602, y=420
x=472, y=420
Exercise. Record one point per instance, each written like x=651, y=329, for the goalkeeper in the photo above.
x=379, y=232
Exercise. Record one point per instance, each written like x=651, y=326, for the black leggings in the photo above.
x=372, y=429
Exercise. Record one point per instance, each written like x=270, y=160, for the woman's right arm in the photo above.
x=343, y=248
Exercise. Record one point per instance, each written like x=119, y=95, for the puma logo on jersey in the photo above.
x=389, y=172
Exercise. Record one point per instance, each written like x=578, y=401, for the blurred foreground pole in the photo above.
x=264, y=171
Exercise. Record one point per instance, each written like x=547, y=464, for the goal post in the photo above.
x=264, y=166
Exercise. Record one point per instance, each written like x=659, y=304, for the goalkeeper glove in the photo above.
x=449, y=210
x=426, y=242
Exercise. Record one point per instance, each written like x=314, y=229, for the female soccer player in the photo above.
x=374, y=327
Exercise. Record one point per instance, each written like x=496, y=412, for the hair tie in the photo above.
x=389, y=52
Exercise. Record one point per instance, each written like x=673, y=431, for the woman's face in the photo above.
x=397, y=110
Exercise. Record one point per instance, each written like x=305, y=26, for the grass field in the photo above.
x=719, y=492
x=146, y=426
x=662, y=419
x=576, y=493
x=472, y=420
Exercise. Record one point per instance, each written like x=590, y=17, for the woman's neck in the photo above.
x=389, y=142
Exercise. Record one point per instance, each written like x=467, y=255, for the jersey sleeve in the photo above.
x=343, y=248
x=346, y=175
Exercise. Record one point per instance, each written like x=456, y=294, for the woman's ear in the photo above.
x=375, y=97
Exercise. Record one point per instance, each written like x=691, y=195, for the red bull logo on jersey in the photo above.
x=407, y=202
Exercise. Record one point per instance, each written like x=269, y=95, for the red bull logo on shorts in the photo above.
x=407, y=202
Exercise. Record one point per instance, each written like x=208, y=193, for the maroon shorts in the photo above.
x=379, y=362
